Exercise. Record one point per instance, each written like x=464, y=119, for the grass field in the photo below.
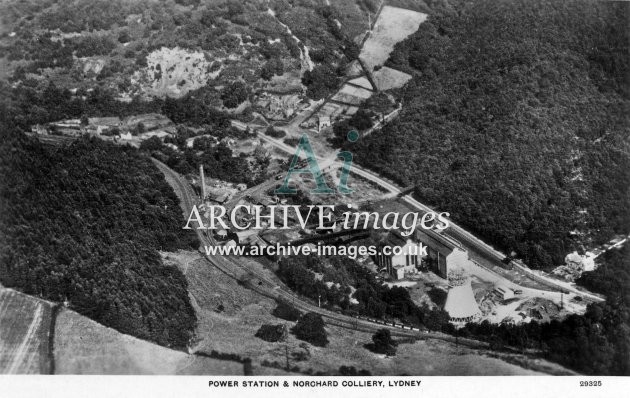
x=356, y=91
x=388, y=78
x=347, y=98
x=393, y=25
x=83, y=346
x=363, y=82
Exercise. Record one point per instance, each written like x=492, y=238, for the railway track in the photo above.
x=265, y=287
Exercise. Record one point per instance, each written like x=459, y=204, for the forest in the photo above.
x=83, y=225
x=516, y=122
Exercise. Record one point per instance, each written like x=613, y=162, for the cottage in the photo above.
x=323, y=122
x=246, y=237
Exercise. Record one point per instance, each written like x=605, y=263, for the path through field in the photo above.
x=24, y=325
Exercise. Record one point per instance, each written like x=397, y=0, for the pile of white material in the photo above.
x=574, y=265
x=585, y=262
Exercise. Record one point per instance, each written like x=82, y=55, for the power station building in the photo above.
x=442, y=254
x=405, y=262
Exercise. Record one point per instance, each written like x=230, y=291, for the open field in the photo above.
x=347, y=99
x=24, y=325
x=361, y=81
x=83, y=346
x=352, y=95
x=393, y=25
x=388, y=78
x=356, y=91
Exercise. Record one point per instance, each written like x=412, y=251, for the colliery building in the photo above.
x=443, y=254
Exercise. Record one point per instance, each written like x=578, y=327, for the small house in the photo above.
x=323, y=122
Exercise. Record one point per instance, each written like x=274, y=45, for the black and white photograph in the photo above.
x=347, y=197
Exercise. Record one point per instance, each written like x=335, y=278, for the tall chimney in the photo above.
x=203, y=183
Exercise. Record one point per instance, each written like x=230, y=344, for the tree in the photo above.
x=152, y=144
x=310, y=328
x=274, y=132
x=320, y=82
x=379, y=103
x=272, y=67
x=139, y=129
x=286, y=311
x=362, y=119
x=272, y=333
x=124, y=37
x=383, y=343
x=235, y=7
x=436, y=319
x=234, y=94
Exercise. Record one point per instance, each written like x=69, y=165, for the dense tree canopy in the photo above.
x=383, y=343
x=84, y=224
x=321, y=82
x=310, y=327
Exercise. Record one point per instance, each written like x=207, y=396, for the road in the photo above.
x=477, y=249
x=271, y=289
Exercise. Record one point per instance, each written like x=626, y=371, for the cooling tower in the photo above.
x=460, y=302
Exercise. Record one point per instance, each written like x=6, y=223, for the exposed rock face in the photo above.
x=94, y=65
x=174, y=72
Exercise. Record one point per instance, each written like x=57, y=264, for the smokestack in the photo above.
x=203, y=183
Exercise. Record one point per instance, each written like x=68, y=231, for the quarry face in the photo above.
x=173, y=72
